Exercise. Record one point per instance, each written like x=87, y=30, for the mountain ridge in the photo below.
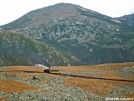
x=53, y=11
x=89, y=36
x=127, y=19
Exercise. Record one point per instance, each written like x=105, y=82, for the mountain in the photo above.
x=127, y=19
x=57, y=11
x=92, y=38
x=16, y=49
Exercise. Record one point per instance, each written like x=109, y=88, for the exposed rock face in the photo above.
x=90, y=37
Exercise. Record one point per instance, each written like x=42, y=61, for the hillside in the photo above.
x=127, y=19
x=105, y=81
x=91, y=37
x=16, y=49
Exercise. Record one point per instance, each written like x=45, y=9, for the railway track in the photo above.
x=70, y=75
x=89, y=77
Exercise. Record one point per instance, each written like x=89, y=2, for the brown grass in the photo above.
x=114, y=66
x=2, y=99
x=100, y=87
x=111, y=75
x=94, y=68
x=10, y=86
x=130, y=96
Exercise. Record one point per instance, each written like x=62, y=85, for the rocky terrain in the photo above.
x=71, y=39
x=30, y=83
x=88, y=36
x=127, y=19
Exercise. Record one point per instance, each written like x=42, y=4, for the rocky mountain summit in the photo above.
x=90, y=37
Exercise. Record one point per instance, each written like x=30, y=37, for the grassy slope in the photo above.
x=15, y=49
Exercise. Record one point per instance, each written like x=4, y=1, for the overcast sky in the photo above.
x=12, y=9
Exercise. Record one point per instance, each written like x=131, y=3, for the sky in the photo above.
x=11, y=10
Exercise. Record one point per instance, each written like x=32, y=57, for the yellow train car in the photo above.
x=55, y=71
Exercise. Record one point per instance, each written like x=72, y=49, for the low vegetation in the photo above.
x=16, y=49
x=31, y=83
x=92, y=38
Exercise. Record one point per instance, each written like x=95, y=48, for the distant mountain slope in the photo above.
x=15, y=49
x=91, y=37
x=40, y=16
x=127, y=19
